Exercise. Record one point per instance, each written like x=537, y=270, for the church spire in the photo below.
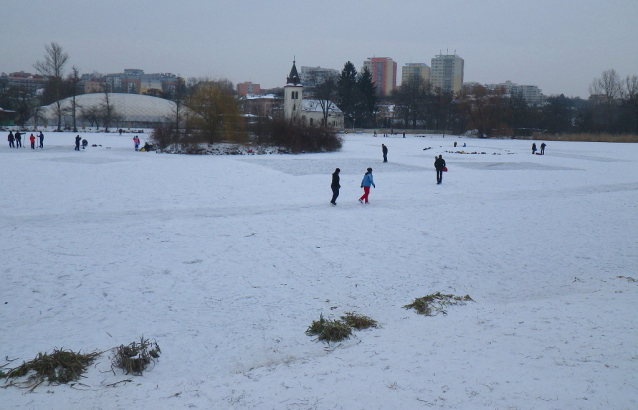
x=293, y=77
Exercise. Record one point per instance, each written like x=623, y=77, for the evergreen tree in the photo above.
x=367, y=103
x=347, y=91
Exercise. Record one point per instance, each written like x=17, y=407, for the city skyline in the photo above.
x=558, y=46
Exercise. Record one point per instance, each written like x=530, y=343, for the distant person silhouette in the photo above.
x=335, y=186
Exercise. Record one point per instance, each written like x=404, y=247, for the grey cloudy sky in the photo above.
x=558, y=45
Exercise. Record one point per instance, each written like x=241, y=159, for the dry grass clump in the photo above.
x=602, y=137
x=358, y=322
x=61, y=366
x=435, y=303
x=329, y=330
x=135, y=357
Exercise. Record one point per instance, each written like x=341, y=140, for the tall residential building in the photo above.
x=411, y=70
x=248, y=88
x=384, y=73
x=447, y=72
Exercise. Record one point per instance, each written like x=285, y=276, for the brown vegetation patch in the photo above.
x=435, y=303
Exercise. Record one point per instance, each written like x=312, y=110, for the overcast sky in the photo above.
x=558, y=45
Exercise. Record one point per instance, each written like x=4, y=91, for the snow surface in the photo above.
x=226, y=260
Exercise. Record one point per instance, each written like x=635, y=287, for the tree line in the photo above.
x=611, y=108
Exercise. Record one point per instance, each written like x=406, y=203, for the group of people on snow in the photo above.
x=368, y=179
x=15, y=140
x=543, y=145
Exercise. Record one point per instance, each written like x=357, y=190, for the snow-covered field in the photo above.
x=226, y=260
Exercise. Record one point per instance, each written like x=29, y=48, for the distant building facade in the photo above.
x=530, y=93
x=248, y=88
x=384, y=74
x=135, y=81
x=25, y=81
x=310, y=76
x=412, y=70
x=447, y=72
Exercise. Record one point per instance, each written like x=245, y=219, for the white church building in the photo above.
x=296, y=108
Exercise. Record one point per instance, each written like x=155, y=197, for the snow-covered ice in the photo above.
x=226, y=260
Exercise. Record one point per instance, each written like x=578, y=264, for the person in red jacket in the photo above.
x=32, y=139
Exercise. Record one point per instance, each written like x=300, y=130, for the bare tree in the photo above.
x=326, y=93
x=52, y=67
x=74, y=91
x=607, y=92
x=630, y=100
x=108, y=112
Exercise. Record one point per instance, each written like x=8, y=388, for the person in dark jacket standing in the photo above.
x=77, y=143
x=11, y=138
x=533, y=148
x=18, y=139
x=439, y=165
x=543, y=145
x=385, y=152
x=41, y=136
x=335, y=187
x=365, y=184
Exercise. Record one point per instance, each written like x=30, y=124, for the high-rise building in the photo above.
x=411, y=70
x=447, y=72
x=384, y=73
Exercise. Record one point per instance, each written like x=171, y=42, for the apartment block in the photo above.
x=412, y=70
x=248, y=88
x=384, y=74
x=315, y=75
x=447, y=72
x=531, y=93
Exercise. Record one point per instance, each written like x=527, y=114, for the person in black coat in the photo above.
x=385, y=152
x=41, y=136
x=11, y=138
x=335, y=186
x=439, y=165
x=77, y=142
x=18, y=139
x=533, y=148
x=543, y=145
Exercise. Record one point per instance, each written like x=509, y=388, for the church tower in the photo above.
x=293, y=95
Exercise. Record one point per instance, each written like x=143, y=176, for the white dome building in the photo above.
x=132, y=111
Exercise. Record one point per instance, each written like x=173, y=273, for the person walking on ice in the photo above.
x=77, y=143
x=384, y=149
x=439, y=165
x=543, y=145
x=365, y=184
x=335, y=187
x=534, y=148
x=11, y=138
x=41, y=136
